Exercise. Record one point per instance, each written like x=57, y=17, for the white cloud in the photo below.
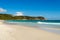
x=19, y=13
x=3, y=10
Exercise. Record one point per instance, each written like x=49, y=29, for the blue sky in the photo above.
x=46, y=8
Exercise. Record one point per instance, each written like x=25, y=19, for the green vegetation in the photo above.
x=11, y=17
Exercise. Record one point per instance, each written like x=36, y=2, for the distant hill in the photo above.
x=11, y=17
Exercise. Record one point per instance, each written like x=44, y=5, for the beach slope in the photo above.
x=16, y=32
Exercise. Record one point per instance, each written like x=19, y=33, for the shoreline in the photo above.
x=52, y=30
x=18, y=32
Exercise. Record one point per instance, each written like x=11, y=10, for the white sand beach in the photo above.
x=16, y=32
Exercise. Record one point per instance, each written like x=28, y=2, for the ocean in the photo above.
x=48, y=25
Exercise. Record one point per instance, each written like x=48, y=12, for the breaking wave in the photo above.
x=48, y=23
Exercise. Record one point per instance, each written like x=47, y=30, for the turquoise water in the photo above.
x=44, y=23
x=50, y=21
x=40, y=24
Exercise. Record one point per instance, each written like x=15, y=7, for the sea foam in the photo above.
x=48, y=23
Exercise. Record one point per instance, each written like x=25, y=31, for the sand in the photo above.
x=16, y=32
